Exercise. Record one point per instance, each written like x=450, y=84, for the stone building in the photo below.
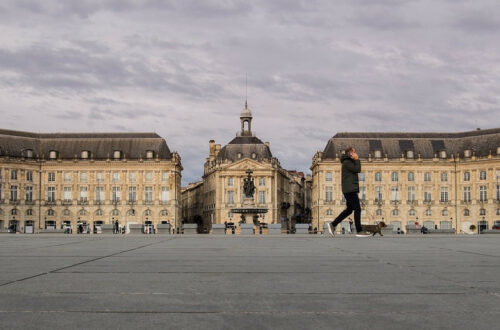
x=448, y=180
x=58, y=181
x=221, y=189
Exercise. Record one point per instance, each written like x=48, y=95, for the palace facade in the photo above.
x=59, y=181
x=284, y=193
x=439, y=180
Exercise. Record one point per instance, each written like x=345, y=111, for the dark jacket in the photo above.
x=350, y=170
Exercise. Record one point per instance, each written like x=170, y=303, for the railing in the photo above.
x=83, y=202
x=428, y=202
x=29, y=202
x=67, y=202
x=98, y=202
x=116, y=202
x=412, y=202
x=164, y=202
x=149, y=202
x=14, y=201
x=131, y=202
x=49, y=202
x=379, y=201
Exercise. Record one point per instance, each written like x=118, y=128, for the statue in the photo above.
x=248, y=185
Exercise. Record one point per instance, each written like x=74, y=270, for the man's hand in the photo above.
x=354, y=155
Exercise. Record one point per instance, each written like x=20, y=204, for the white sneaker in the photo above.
x=330, y=229
x=363, y=234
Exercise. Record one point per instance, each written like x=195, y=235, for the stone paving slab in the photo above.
x=256, y=282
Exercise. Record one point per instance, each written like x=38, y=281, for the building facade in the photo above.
x=59, y=181
x=221, y=189
x=445, y=181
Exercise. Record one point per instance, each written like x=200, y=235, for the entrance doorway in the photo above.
x=29, y=226
x=13, y=226
x=50, y=224
x=148, y=227
x=482, y=225
x=98, y=227
x=66, y=226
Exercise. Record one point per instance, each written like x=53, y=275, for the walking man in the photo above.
x=351, y=166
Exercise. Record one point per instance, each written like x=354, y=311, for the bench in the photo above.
x=301, y=228
x=135, y=229
x=107, y=228
x=246, y=229
x=52, y=231
x=190, y=228
x=274, y=229
x=490, y=231
x=164, y=229
x=219, y=229
x=441, y=231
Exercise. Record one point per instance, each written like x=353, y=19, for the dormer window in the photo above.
x=52, y=154
x=467, y=153
x=410, y=154
x=85, y=154
x=29, y=153
x=117, y=154
x=254, y=155
x=442, y=154
x=239, y=155
x=149, y=154
x=378, y=154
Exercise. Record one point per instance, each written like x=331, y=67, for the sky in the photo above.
x=309, y=69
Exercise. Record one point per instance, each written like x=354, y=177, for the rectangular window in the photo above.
x=466, y=176
x=378, y=177
x=13, y=193
x=329, y=194
x=230, y=197
x=427, y=196
x=83, y=194
x=444, y=177
x=149, y=176
x=148, y=194
x=498, y=192
x=378, y=193
x=394, y=176
x=467, y=196
x=411, y=194
x=116, y=194
x=482, y=194
x=132, y=177
x=29, y=193
x=132, y=194
x=13, y=174
x=29, y=176
x=83, y=177
x=52, y=176
x=67, y=194
x=498, y=175
x=164, y=176
x=99, y=177
x=164, y=194
x=444, y=194
x=361, y=176
x=67, y=177
x=394, y=194
x=411, y=176
x=362, y=193
x=116, y=176
x=230, y=182
x=427, y=176
x=51, y=194
x=99, y=194
x=482, y=175
x=262, y=197
x=328, y=176
x=262, y=182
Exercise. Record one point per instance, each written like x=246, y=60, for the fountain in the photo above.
x=249, y=208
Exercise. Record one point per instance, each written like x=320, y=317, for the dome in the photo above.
x=246, y=113
x=245, y=147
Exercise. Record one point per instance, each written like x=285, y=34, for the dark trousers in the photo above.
x=352, y=205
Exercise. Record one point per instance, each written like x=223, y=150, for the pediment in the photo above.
x=244, y=164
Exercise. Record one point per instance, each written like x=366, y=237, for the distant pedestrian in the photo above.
x=351, y=166
x=350, y=226
x=117, y=227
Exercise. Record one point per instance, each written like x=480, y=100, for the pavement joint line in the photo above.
x=254, y=293
x=83, y=262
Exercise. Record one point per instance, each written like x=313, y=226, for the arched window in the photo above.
x=444, y=213
x=115, y=212
x=52, y=154
x=428, y=212
x=329, y=212
x=50, y=212
x=411, y=213
x=29, y=212
x=149, y=154
x=164, y=213
x=82, y=212
x=66, y=212
x=378, y=212
x=131, y=212
x=98, y=213
x=378, y=154
x=147, y=213
x=117, y=154
x=482, y=212
x=13, y=212
x=85, y=154
x=395, y=212
x=466, y=212
x=410, y=154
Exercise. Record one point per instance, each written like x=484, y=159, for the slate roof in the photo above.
x=246, y=145
x=100, y=145
x=426, y=144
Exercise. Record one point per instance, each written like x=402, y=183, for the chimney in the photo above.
x=217, y=149
x=211, y=148
x=267, y=144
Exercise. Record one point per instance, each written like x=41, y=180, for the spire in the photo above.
x=246, y=121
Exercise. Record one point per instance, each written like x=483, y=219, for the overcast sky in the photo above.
x=314, y=68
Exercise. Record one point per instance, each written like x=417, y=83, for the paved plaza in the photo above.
x=259, y=282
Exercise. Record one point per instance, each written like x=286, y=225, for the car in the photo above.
x=497, y=227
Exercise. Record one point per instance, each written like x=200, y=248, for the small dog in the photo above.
x=375, y=228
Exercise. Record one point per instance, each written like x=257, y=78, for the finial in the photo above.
x=246, y=105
